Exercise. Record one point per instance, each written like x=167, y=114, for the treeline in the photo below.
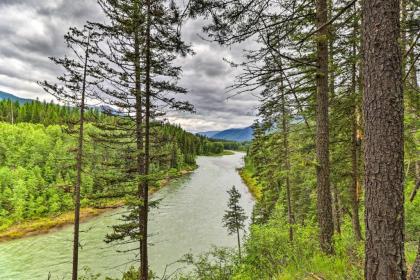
x=50, y=113
x=46, y=113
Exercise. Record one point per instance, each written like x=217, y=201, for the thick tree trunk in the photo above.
x=383, y=116
x=79, y=167
x=325, y=220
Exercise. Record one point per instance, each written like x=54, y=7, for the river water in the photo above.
x=189, y=219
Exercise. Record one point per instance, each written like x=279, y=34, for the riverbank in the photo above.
x=253, y=186
x=46, y=224
x=224, y=153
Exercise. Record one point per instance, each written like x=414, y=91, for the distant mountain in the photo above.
x=233, y=134
x=8, y=96
x=208, y=134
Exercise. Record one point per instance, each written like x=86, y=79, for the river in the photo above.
x=189, y=219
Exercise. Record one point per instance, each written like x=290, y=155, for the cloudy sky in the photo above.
x=32, y=30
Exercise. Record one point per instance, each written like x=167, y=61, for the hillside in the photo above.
x=8, y=96
x=209, y=134
x=232, y=134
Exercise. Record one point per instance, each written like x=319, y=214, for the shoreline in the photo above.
x=250, y=182
x=47, y=224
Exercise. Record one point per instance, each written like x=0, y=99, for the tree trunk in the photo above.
x=239, y=242
x=336, y=210
x=331, y=87
x=79, y=167
x=286, y=159
x=413, y=85
x=139, y=127
x=144, y=263
x=326, y=225
x=383, y=116
x=355, y=147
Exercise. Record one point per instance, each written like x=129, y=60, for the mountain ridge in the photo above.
x=231, y=134
x=9, y=96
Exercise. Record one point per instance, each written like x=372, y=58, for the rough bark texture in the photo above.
x=79, y=166
x=383, y=116
x=325, y=220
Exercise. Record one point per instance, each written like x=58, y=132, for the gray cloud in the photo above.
x=33, y=30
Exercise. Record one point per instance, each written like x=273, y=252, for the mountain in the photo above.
x=233, y=134
x=8, y=96
x=208, y=134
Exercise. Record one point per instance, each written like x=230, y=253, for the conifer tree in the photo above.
x=138, y=50
x=234, y=218
x=78, y=76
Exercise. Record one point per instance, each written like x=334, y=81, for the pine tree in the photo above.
x=383, y=114
x=234, y=218
x=72, y=91
x=139, y=46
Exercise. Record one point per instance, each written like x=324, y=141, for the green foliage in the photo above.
x=41, y=112
x=218, y=263
x=234, y=218
x=412, y=217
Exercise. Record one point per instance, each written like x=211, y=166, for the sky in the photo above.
x=33, y=30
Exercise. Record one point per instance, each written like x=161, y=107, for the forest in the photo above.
x=333, y=167
x=37, y=153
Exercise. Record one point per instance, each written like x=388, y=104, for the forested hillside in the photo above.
x=37, y=159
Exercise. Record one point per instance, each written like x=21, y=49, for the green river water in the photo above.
x=189, y=219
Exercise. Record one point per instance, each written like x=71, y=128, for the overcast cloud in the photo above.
x=32, y=30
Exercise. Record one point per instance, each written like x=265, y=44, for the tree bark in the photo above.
x=324, y=208
x=79, y=167
x=383, y=116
